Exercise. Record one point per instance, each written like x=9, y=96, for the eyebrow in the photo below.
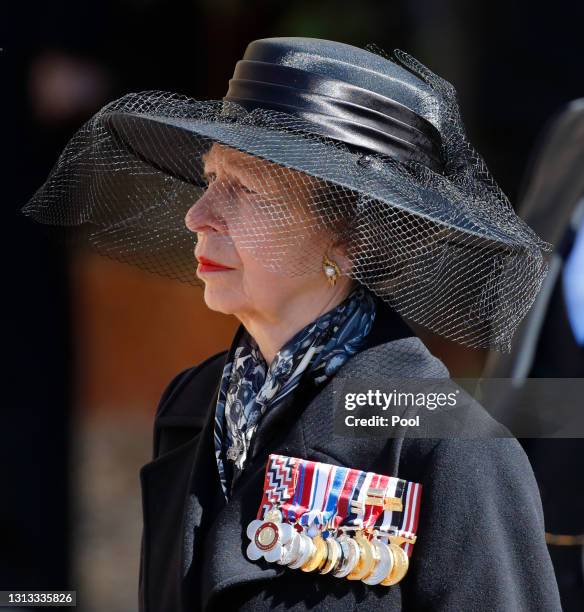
x=235, y=165
x=205, y=159
x=208, y=160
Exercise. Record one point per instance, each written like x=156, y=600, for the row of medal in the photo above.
x=335, y=520
x=366, y=555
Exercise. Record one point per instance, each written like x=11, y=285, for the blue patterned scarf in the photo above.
x=249, y=388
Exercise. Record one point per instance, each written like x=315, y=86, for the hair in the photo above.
x=367, y=245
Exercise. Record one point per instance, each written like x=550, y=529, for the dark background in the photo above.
x=514, y=63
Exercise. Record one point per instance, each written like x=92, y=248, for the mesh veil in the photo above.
x=445, y=249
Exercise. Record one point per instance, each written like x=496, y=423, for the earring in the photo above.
x=331, y=270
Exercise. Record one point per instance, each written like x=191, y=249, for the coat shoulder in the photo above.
x=193, y=382
x=404, y=357
x=480, y=497
x=184, y=405
x=406, y=362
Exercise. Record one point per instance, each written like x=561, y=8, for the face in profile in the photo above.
x=259, y=242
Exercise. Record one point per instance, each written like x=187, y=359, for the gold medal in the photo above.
x=316, y=560
x=333, y=555
x=401, y=563
x=368, y=557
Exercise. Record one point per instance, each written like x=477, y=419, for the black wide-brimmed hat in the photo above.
x=375, y=147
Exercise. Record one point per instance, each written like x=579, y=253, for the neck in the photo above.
x=272, y=330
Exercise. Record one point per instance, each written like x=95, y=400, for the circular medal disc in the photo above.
x=333, y=555
x=267, y=536
x=284, y=532
x=351, y=553
x=367, y=559
x=383, y=567
x=307, y=549
x=341, y=558
x=401, y=563
x=318, y=557
x=291, y=550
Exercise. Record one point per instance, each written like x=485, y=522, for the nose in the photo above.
x=201, y=216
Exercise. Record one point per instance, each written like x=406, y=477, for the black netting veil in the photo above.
x=444, y=248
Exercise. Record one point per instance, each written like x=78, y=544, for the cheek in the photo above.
x=267, y=290
x=272, y=265
x=270, y=290
x=256, y=277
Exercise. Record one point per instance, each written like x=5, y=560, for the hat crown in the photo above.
x=353, y=65
x=348, y=94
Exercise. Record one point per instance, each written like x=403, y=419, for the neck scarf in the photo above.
x=249, y=387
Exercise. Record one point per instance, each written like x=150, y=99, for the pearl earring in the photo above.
x=331, y=270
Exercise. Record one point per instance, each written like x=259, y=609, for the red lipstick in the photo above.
x=208, y=265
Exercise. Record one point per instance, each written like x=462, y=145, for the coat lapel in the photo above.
x=214, y=532
x=204, y=501
x=175, y=494
x=225, y=562
x=223, y=555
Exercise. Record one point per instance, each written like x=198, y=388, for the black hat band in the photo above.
x=339, y=110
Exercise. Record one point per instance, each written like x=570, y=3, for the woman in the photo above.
x=331, y=189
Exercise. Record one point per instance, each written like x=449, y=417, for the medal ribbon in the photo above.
x=332, y=504
x=373, y=511
x=279, y=482
x=355, y=517
x=320, y=487
x=315, y=493
x=323, y=501
x=352, y=483
x=411, y=513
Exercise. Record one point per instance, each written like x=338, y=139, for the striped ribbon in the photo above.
x=279, y=482
x=315, y=493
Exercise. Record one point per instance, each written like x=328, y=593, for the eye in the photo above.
x=209, y=178
x=247, y=190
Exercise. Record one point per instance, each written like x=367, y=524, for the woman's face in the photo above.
x=255, y=215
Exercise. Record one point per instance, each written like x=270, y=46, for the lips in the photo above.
x=208, y=265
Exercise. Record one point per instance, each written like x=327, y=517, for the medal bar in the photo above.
x=324, y=518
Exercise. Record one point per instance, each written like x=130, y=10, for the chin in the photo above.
x=220, y=299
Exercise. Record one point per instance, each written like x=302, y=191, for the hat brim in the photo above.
x=167, y=144
x=445, y=249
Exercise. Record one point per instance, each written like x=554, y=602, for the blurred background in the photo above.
x=92, y=343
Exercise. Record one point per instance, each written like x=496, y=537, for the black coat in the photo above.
x=480, y=536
